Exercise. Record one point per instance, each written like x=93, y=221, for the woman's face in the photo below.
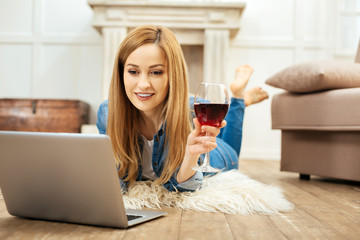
x=146, y=79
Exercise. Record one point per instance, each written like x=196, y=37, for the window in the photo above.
x=348, y=32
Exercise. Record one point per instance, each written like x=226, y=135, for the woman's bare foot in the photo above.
x=252, y=96
x=255, y=95
x=243, y=74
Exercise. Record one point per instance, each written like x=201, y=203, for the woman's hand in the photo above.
x=200, y=140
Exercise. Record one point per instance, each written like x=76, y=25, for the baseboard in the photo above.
x=263, y=154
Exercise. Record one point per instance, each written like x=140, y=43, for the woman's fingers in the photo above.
x=206, y=142
x=213, y=131
x=202, y=146
x=197, y=126
x=203, y=138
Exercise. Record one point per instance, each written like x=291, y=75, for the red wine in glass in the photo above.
x=211, y=113
x=211, y=104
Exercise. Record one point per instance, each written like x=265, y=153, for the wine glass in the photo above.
x=211, y=104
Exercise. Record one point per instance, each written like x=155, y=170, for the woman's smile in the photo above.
x=144, y=96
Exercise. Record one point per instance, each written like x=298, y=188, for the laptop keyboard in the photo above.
x=132, y=217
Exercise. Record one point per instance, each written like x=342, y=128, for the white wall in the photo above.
x=277, y=34
x=48, y=49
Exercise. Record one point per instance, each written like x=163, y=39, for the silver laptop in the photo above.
x=64, y=177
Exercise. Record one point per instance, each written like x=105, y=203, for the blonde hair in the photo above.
x=123, y=118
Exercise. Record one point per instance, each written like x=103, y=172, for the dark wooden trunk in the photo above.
x=43, y=115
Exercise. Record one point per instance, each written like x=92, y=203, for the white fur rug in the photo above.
x=229, y=192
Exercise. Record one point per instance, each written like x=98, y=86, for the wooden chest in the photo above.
x=43, y=115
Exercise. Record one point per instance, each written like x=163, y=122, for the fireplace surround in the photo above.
x=203, y=28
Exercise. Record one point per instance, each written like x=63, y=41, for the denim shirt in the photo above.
x=158, y=157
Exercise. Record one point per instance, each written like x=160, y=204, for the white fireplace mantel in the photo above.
x=208, y=23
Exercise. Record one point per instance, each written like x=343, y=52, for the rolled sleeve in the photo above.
x=192, y=183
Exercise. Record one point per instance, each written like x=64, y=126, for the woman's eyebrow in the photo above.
x=132, y=65
x=157, y=65
x=152, y=66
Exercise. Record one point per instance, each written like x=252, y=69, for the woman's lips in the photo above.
x=144, y=96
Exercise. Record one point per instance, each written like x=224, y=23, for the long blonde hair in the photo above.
x=123, y=118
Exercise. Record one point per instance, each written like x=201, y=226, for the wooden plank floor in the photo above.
x=324, y=209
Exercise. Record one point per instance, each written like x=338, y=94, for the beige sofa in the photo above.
x=319, y=118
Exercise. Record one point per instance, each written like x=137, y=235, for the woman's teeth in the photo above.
x=144, y=94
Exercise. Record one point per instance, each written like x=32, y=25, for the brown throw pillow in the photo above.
x=317, y=75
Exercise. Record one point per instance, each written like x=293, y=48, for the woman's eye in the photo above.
x=157, y=72
x=132, y=72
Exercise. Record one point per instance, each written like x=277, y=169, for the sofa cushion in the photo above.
x=317, y=75
x=334, y=110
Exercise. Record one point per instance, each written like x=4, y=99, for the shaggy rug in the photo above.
x=229, y=192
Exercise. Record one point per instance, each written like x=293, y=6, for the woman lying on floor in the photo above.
x=147, y=115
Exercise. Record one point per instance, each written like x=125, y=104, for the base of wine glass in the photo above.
x=206, y=168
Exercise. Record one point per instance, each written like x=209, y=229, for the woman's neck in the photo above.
x=150, y=125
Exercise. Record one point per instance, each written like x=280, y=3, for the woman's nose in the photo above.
x=144, y=82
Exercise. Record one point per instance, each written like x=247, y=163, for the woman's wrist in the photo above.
x=186, y=172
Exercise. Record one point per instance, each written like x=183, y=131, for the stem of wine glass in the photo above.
x=207, y=155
